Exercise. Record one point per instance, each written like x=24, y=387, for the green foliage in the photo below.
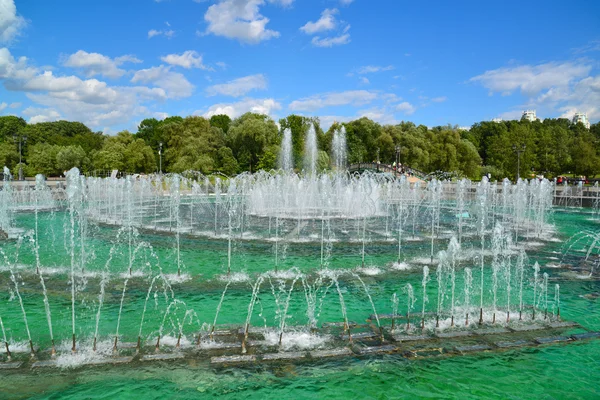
x=71, y=156
x=249, y=136
x=42, y=160
x=252, y=141
x=221, y=121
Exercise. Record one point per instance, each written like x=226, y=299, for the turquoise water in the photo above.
x=557, y=371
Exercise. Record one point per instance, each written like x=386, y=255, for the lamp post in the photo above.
x=519, y=151
x=398, y=148
x=160, y=158
x=377, y=159
x=22, y=141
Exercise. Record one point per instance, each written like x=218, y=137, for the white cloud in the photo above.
x=3, y=105
x=283, y=3
x=234, y=110
x=189, y=59
x=331, y=41
x=97, y=64
x=174, y=84
x=325, y=23
x=531, y=79
x=364, y=80
x=15, y=105
x=554, y=88
x=439, y=99
x=221, y=65
x=239, y=19
x=90, y=101
x=10, y=23
x=345, y=2
x=168, y=33
x=239, y=87
x=343, y=38
x=406, y=108
x=369, y=69
x=353, y=97
x=37, y=115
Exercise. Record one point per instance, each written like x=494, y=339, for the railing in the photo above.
x=403, y=170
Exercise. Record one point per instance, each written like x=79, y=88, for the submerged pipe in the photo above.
x=115, y=345
x=494, y=318
x=157, y=348
x=467, y=320
x=481, y=316
x=178, y=345
x=74, y=348
x=94, y=345
x=507, y=316
x=139, y=345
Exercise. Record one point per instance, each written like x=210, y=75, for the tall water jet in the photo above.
x=468, y=286
x=339, y=150
x=410, y=302
x=16, y=285
x=286, y=159
x=40, y=186
x=74, y=198
x=310, y=151
x=424, y=283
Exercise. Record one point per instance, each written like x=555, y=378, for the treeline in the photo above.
x=252, y=141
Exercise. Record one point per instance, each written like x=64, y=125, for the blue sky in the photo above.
x=111, y=64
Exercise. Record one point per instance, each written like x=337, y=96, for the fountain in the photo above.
x=163, y=264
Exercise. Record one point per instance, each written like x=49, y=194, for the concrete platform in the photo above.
x=11, y=365
x=471, y=348
x=233, y=359
x=491, y=331
x=283, y=356
x=331, y=353
x=411, y=338
x=552, y=339
x=563, y=324
x=526, y=328
x=162, y=356
x=111, y=361
x=512, y=343
x=44, y=364
x=388, y=348
x=586, y=335
x=361, y=335
x=454, y=334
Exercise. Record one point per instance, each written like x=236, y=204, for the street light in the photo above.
x=398, y=148
x=22, y=141
x=160, y=158
x=518, y=150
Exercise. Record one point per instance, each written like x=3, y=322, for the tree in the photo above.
x=42, y=160
x=221, y=121
x=71, y=156
x=249, y=136
x=10, y=126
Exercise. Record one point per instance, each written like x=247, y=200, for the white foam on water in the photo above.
x=402, y=266
x=296, y=340
x=171, y=341
x=369, y=271
x=174, y=278
x=235, y=277
x=283, y=274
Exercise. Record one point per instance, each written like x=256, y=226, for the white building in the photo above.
x=581, y=117
x=529, y=115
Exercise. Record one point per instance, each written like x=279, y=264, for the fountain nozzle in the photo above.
x=480, y=316
x=8, y=354
x=32, y=349
x=74, y=348
x=139, y=345
x=115, y=344
x=53, y=350
x=157, y=348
